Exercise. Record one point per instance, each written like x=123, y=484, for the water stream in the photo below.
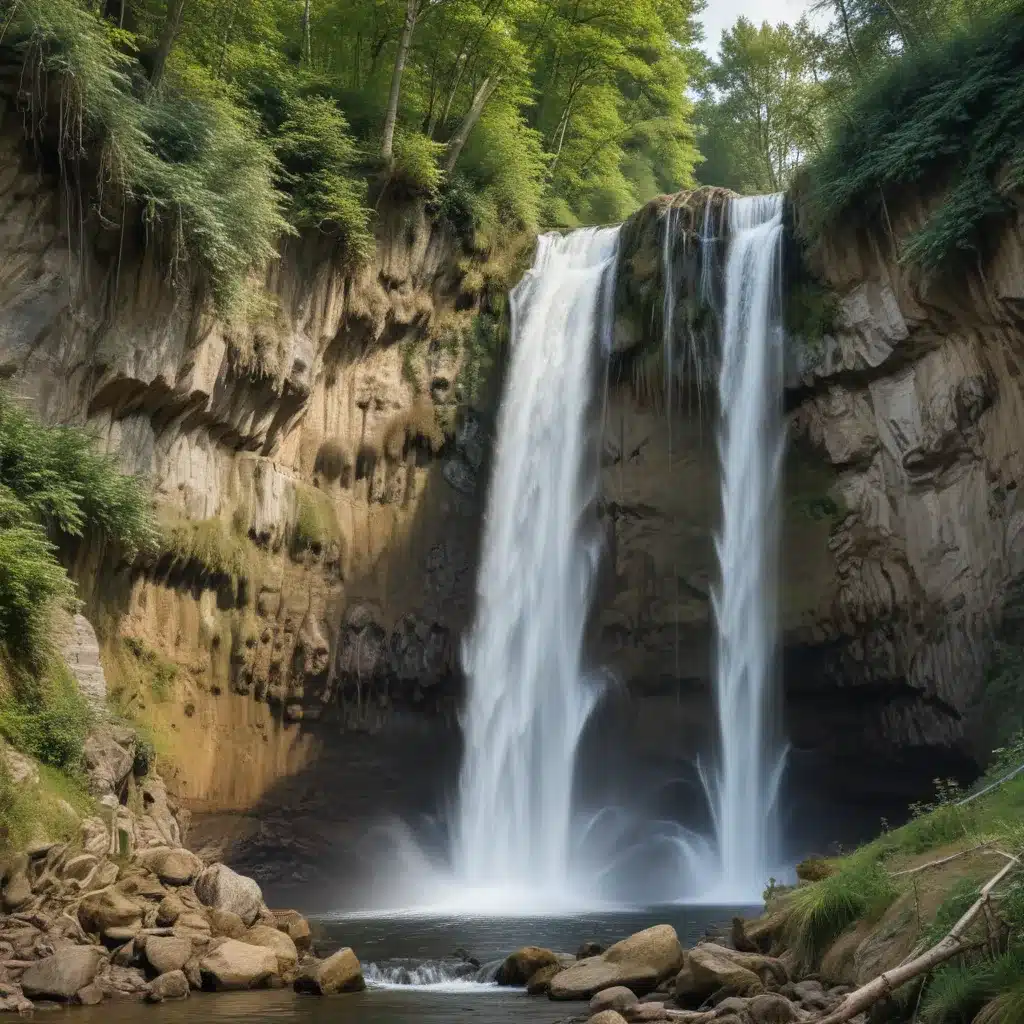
x=743, y=787
x=528, y=696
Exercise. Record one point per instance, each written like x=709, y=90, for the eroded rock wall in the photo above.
x=902, y=522
x=312, y=461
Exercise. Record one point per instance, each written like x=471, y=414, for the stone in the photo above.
x=807, y=988
x=615, y=998
x=81, y=651
x=607, y=1017
x=167, y=954
x=520, y=966
x=295, y=926
x=23, y=770
x=121, y=934
x=95, y=836
x=588, y=949
x=172, y=985
x=172, y=866
x=12, y=999
x=62, y=975
x=710, y=967
x=237, y=965
x=91, y=995
x=108, y=909
x=771, y=1008
x=643, y=1012
x=639, y=963
x=282, y=945
x=123, y=982
x=17, y=892
x=223, y=922
x=191, y=925
x=340, y=972
x=169, y=910
x=107, y=756
x=540, y=981
x=220, y=887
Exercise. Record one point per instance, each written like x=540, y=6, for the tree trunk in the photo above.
x=307, y=45
x=175, y=9
x=388, y=144
x=476, y=108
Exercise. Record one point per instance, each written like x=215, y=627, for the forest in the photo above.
x=230, y=124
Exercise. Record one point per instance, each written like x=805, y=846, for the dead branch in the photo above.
x=940, y=861
x=948, y=947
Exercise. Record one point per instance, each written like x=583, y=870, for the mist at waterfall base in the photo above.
x=518, y=839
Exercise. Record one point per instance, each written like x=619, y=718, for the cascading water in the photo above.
x=528, y=698
x=743, y=789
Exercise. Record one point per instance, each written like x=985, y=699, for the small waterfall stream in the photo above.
x=743, y=788
x=528, y=699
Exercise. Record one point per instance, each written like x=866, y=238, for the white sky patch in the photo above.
x=722, y=14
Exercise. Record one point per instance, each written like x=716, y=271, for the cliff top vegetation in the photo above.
x=227, y=124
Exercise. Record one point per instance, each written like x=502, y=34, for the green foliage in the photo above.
x=54, y=483
x=416, y=167
x=45, y=716
x=316, y=522
x=209, y=544
x=40, y=811
x=318, y=157
x=947, y=116
x=957, y=902
x=820, y=911
x=957, y=992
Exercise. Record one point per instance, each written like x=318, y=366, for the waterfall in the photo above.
x=528, y=699
x=743, y=789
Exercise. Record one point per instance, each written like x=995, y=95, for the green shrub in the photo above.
x=160, y=672
x=49, y=810
x=316, y=522
x=416, y=163
x=957, y=992
x=210, y=544
x=948, y=116
x=46, y=716
x=820, y=911
x=318, y=157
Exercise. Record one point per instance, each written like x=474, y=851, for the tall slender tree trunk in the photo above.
x=172, y=25
x=476, y=108
x=404, y=41
x=845, y=17
x=307, y=42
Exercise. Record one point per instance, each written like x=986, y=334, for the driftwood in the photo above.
x=952, y=944
x=940, y=861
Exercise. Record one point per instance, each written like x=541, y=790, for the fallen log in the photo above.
x=949, y=946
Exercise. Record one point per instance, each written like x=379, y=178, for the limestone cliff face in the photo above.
x=902, y=526
x=313, y=464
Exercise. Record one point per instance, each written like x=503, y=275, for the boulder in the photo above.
x=191, y=925
x=223, y=922
x=63, y=975
x=237, y=965
x=771, y=1008
x=520, y=966
x=295, y=926
x=107, y=756
x=172, y=985
x=165, y=954
x=283, y=947
x=616, y=998
x=644, y=1012
x=17, y=892
x=80, y=867
x=108, y=909
x=340, y=972
x=638, y=963
x=123, y=982
x=172, y=866
x=169, y=910
x=710, y=967
x=540, y=981
x=607, y=1017
x=589, y=949
x=23, y=770
x=220, y=887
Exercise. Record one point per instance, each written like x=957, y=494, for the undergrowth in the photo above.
x=947, y=116
x=48, y=810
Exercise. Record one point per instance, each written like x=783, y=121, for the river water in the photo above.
x=410, y=946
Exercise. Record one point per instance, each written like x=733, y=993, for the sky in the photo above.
x=722, y=14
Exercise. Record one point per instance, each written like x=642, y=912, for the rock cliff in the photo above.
x=902, y=525
x=314, y=458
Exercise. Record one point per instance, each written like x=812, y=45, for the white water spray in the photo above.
x=528, y=699
x=744, y=787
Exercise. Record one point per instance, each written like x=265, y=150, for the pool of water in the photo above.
x=428, y=950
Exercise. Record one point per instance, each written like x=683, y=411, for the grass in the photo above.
x=213, y=546
x=316, y=522
x=947, y=117
x=49, y=810
x=160, y=673
x=958, y=992
x=819, y=913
